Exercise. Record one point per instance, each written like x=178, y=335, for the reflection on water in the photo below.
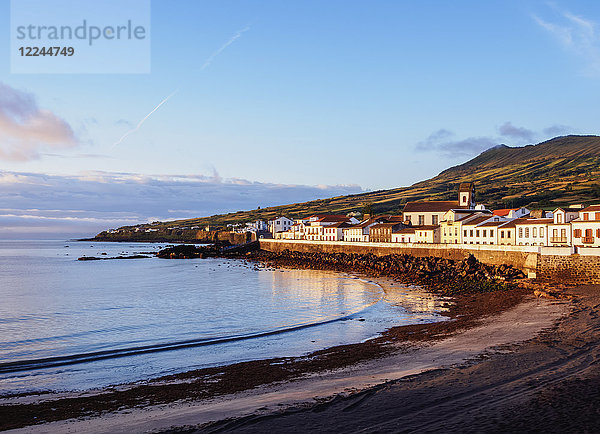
x=55, y=307
x=413, y=299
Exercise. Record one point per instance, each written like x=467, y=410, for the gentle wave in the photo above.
x=50, y=362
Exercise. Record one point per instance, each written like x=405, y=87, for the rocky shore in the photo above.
x=444, y=276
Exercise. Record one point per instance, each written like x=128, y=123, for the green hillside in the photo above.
x=556, y=172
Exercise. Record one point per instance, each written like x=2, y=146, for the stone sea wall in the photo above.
x=545, y=263
x=569, y=269
x=524, y=258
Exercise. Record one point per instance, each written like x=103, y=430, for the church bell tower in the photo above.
x=466, y=195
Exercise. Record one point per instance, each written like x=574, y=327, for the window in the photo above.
x=477, y=233
x=465, y=232
x=408, y=218
x=559, y=218
x=471, y=232
x=597, y=216
x=598, y=233
x=501, y=234
x=588, y=233
x=541, y=232
x=534, y=232
x=456, y=232
x=526, y=232
x=421, y=220
x=485, y=233
x=563, y=233
x=491, y=232
x=577, y=233
x=507, y=234
x=434, y=220
x=520, y=232
x=586, y=216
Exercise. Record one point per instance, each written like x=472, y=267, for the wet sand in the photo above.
x=331, y=390
x=550, y=383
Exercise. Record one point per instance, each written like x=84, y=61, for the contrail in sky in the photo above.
x=202, y=68
x=142, y=121
x=225, y=45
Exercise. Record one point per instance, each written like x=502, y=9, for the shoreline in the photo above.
x=468, y=311
x=429, y=349
x=548, y=383
x=210, y=383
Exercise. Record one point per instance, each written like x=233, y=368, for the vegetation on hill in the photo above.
x=554, y=173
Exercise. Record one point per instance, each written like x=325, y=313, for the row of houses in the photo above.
x=453, y=222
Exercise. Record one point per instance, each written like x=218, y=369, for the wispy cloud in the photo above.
x=444, y=142
x=507, y=129
x=576, y=34
x=26, y=130
x=556, y=130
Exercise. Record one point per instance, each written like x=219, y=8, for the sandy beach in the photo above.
x=320, y=389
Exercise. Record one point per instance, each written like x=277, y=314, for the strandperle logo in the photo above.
x=80, y=37
x=89, y=33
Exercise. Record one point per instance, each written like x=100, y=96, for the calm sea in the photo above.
x=71, y=325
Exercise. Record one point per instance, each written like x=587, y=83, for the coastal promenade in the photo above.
x=558, y=264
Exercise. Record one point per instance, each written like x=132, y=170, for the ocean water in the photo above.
x=74, y=325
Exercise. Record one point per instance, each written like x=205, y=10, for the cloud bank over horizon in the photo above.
x=38, y=206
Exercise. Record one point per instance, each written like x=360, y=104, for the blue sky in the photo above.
x=326, y=97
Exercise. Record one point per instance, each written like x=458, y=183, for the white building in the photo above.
x=314, y=228
x=406, y=235
x=586, y=227
x=451, y=226
x=335, y=232
x=473, y=233
x=559, y=232
x=257, y=226
x=531, y=232
x=427, y=234
x=360, y=231
x=280, y=224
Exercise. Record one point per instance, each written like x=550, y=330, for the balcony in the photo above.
x=558, y=240
x=587, y=240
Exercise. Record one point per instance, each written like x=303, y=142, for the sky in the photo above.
x=258, y=103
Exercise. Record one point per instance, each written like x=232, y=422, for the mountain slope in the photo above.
x=556, y=172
